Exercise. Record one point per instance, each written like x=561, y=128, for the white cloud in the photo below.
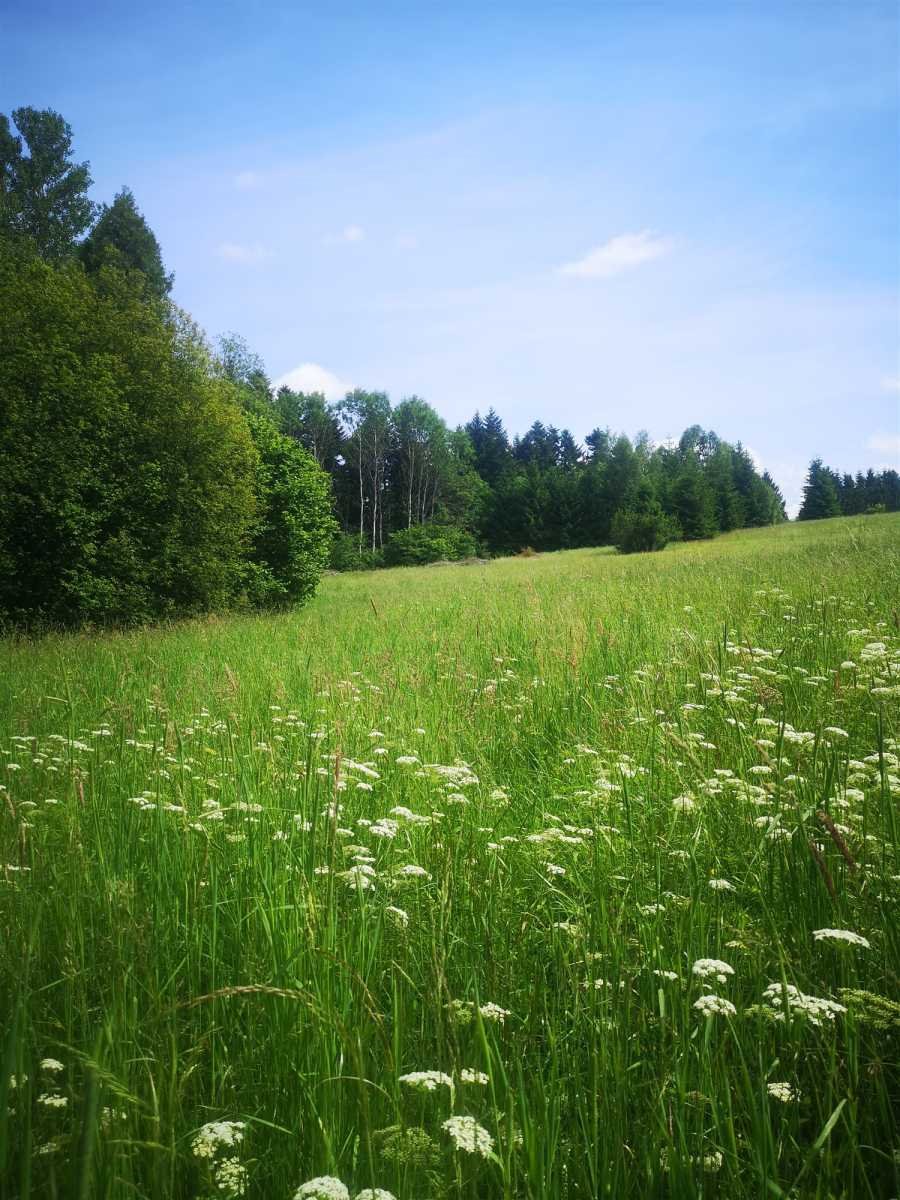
x=350, y=233
x=246, y=181
x=234, y=252
x=310, y=377
x=619, y=254
x=890, y=383
x=885, y=443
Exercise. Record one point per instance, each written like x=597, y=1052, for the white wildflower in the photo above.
x=324, y=1187
x=721, y=885
x=51, y=1064
x=781, y=1091
x=230, y=1176
x=427, y=1081
x=841, y=935
x=706, y=968
x=469, y=1136
x=712, y=1006
x=52, y=1100
x=214, y=1135
x=786, y=1000
x=469, y=1075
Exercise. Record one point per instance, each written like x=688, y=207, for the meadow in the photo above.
x=565, y=876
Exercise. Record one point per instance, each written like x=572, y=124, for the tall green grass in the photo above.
x=200, y=903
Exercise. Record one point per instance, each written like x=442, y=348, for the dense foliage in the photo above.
x=139, y=478
x=829, y=494
x=396, y=468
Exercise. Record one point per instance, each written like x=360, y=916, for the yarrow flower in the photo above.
x=51, y=1064
x=706, y=968
x=721, y=885
x=841, y=935
x=324, y=1187
x=469, y=1136
x=782, y=1091
x=375, y=1194
x=52, y=1100
x=427, y=1081
x=715, y=1006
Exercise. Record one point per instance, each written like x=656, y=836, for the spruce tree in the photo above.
x=123, y=238
x=820, y=495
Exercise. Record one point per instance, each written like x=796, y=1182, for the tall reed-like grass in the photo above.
x=568, y=876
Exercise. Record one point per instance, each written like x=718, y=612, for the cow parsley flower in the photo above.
x=469, y=1136
x=323, y=1187
x=427, y=1081
x=212, y=1136
x=786, y=1000
x=375, y=1193
x=52, y=1100
x=51, y=1064
x=783, y=1092
x=712, y=968
x=470, y=1075
x=721, y=885
x=715, y=1006
x=841, y=935
x=230, y=1176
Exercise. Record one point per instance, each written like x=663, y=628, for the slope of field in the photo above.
x=569, y=876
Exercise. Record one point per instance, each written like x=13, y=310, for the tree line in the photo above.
x=827, y=493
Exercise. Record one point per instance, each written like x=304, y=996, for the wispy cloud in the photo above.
x=619, y=254
x=310, y=377
x=350, y=233
x=890, y=383
x=885, y=443
x=249, y=255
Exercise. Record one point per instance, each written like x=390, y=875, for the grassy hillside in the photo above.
x=485, y=821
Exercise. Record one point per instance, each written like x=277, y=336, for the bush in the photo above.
x=634, y=532
x=347, y=556
x=295, y=523
x=426, y=544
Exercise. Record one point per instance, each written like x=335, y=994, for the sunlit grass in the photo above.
x=645, y=762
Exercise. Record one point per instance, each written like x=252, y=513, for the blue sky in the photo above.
x=641, y=215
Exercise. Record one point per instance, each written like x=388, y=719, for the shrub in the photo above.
x=633, y=532
x=426, y=544
x=347, y=556
x=295, y=524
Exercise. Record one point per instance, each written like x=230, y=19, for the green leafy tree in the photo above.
x=126, y=470
x=43, y=194
x=295, y=522
x=123, y=238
